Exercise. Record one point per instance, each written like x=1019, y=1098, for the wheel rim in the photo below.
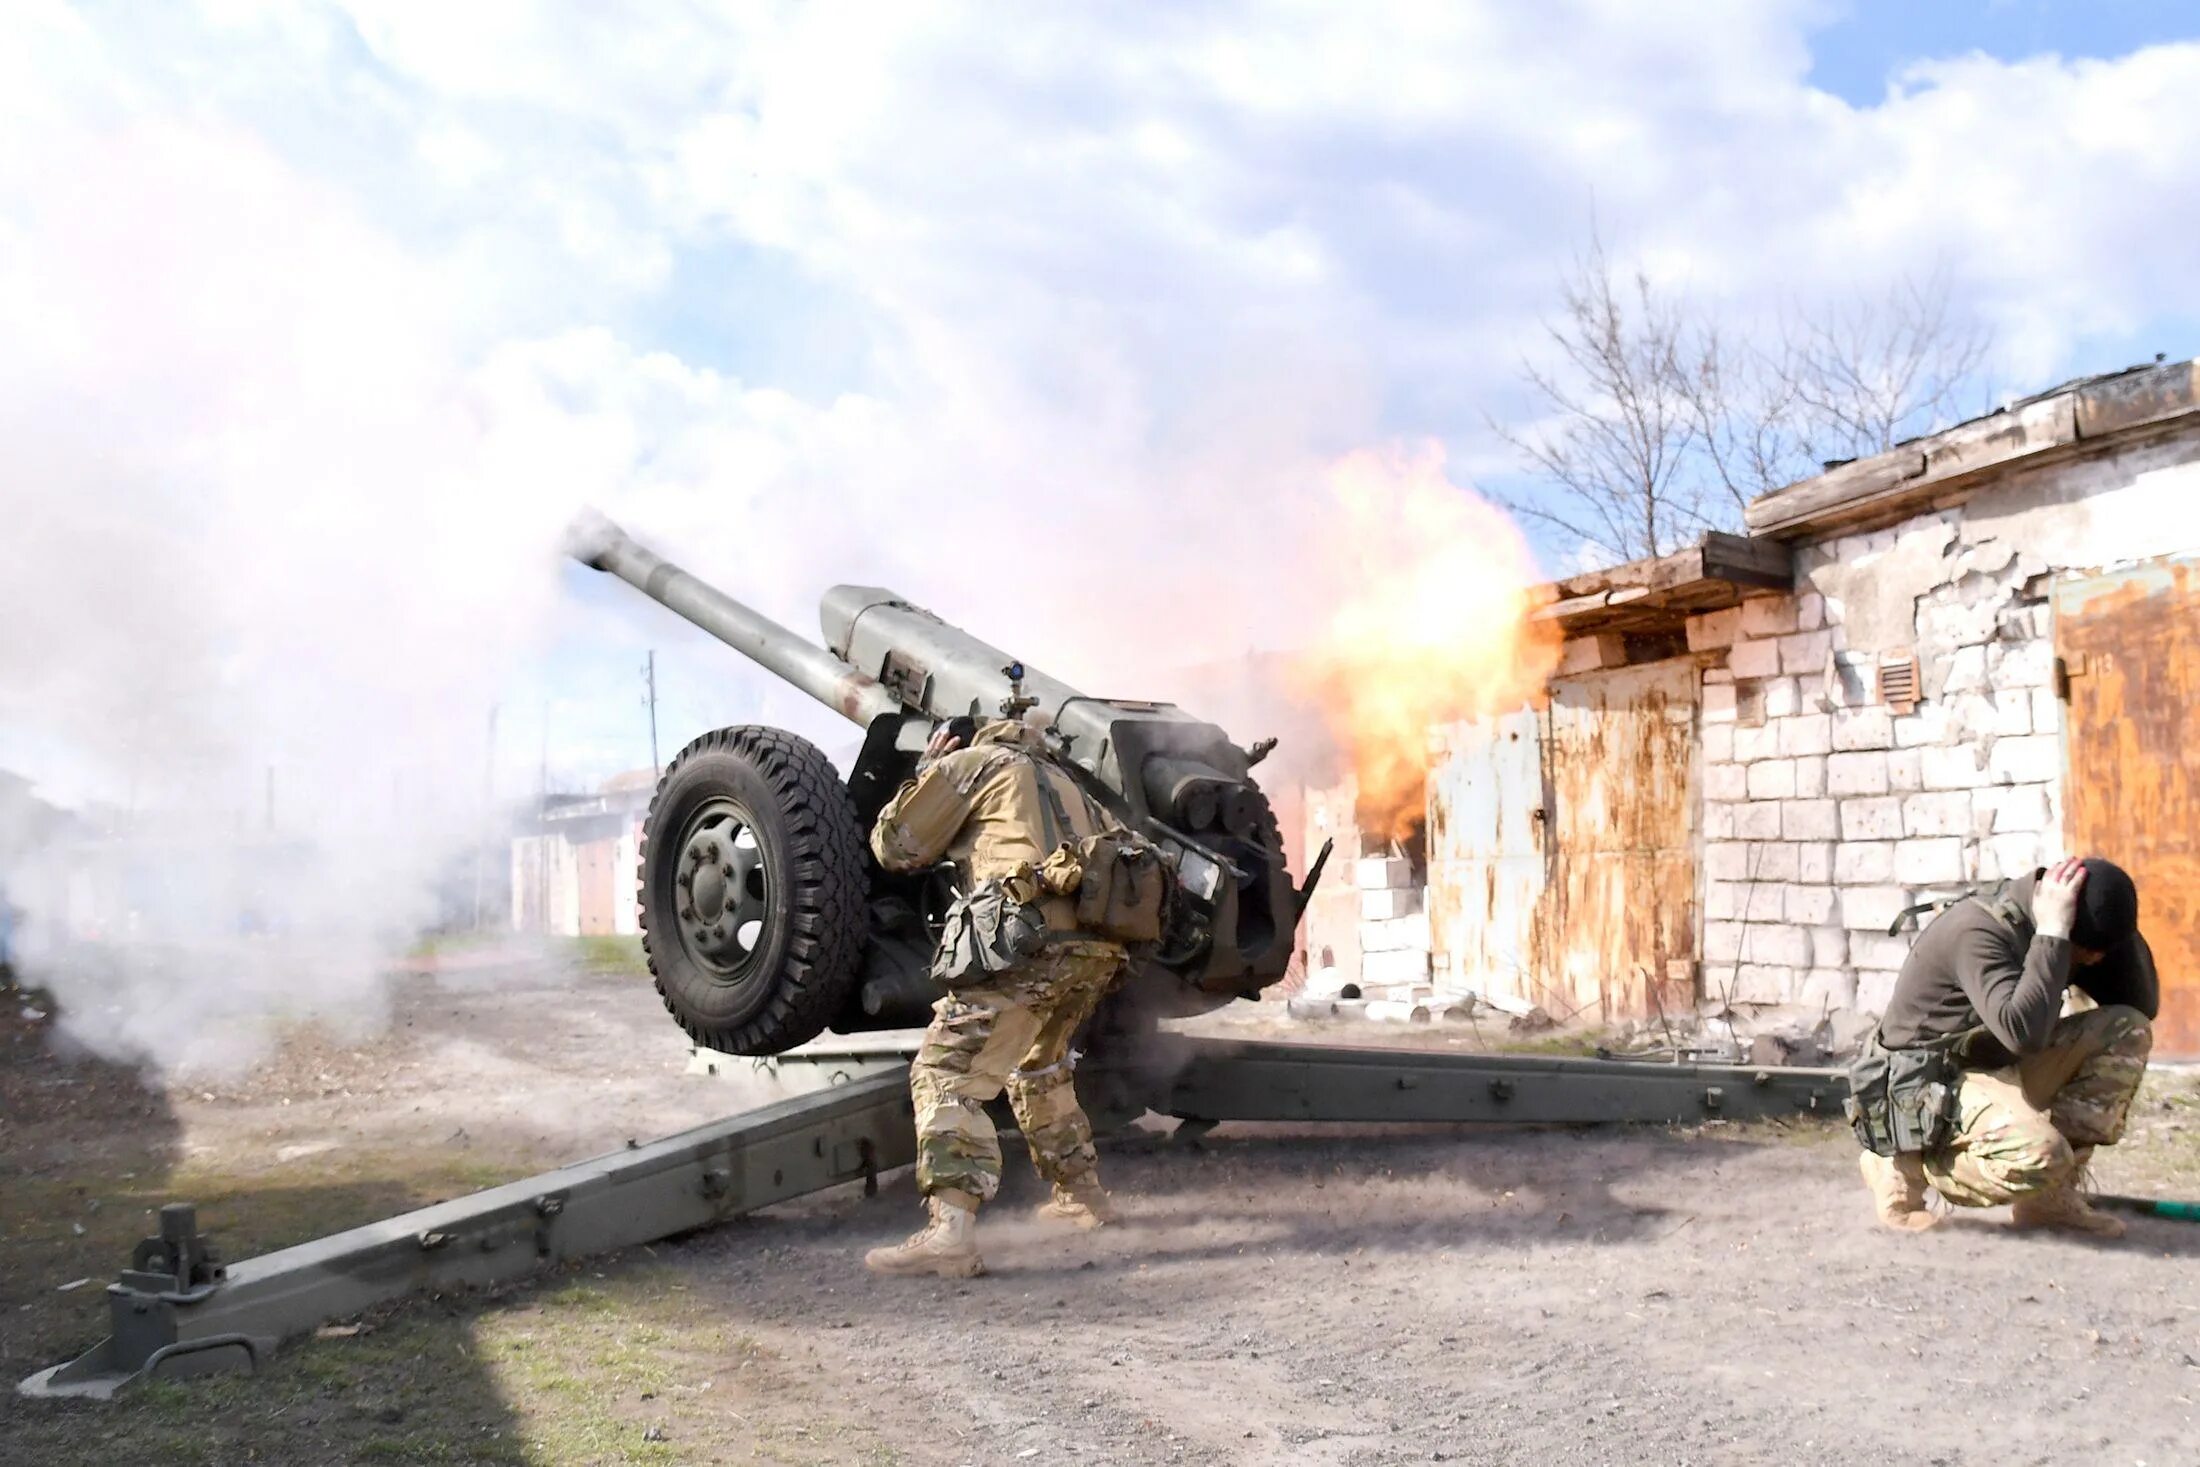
x=725, y=889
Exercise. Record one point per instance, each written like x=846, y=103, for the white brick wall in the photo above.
x=1772, y=779
x=1754, y=659
x=1832, y=814
x=1388, y=902
x=1947, y=813
x=1856, y=774
x=1396, y=934
x=1810, y=733
x=1714, y=630
x=1873, y=819
x=1380, y=873
x=1757, y=821
x=1398, y=966
x=1815, y=820
x=1768, y=616
x=1929, y=862
x=1872, y=908
x=1814, y=862
x=1862, y=728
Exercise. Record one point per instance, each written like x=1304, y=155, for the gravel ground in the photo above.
x=1275, y=1295
x=1561, y=1297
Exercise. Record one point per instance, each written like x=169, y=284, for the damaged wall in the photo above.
x=1827, y=809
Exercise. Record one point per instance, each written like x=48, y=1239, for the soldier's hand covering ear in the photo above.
x=2055, y=899
x=942, y=743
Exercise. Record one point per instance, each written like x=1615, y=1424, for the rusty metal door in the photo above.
x=1485, y=853
x=1562, y=850
x=2129, y=643
x=1615, y=932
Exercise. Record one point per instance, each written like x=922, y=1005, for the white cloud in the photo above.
x=1120, y=278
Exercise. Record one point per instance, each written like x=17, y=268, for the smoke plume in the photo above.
x=292, y=416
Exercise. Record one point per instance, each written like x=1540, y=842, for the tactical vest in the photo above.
x=1120, y=882
x=1911, y=1099
x=1119, y=885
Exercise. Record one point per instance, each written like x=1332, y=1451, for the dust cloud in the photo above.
x=271, y=549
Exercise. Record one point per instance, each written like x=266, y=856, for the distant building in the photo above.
x=574, y=867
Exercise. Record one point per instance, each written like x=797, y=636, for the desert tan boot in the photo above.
x=1082, y=1204
x=2063, y=1206
x=946, y=1247
x=1898, y=1190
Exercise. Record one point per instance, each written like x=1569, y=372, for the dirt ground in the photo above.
x=1276, y=1295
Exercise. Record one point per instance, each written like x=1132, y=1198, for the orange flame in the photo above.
x=1433, y=626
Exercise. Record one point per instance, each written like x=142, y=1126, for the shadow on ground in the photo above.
x=88, y=1153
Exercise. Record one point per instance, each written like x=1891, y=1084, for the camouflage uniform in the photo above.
x=1013, y=1033
x=2040, y=1087
x=2030, y=1125
x=981, y=807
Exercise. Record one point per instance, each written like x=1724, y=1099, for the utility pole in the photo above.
x=649, y=676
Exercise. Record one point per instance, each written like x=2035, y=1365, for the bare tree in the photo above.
x=1618, y=425
x=1657, y=423
x=1871, y=373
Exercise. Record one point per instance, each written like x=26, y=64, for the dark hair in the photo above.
x=2108, y=907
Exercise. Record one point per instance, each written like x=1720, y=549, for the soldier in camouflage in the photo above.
x=2040, y=1088
x=984, y=808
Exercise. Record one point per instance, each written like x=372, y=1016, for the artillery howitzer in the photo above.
x=767, y=922
x=765, y=919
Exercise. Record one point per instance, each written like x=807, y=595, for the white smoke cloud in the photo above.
x=316, y=321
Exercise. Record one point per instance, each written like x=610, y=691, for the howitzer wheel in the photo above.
x=753, y=890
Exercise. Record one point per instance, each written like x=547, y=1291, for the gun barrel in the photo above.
x=596, y=542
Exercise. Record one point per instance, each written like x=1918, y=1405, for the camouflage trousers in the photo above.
x=2026, y=1127
x=1012, y=1032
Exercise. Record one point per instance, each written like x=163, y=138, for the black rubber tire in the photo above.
x=808, y=956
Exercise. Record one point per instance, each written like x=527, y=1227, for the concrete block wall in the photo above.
x=1394, y=939
x=1369, y=932
x=1826, y=811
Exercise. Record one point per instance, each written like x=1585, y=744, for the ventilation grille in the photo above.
x=1898, y=682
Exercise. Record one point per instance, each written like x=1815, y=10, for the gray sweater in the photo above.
x=1973, y=968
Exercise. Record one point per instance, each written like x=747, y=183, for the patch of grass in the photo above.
x=2160, y=1152
x=610, y=955
x=577, y=1366
x=444, y=944
x=1565, y=1044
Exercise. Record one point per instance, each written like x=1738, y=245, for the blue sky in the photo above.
x=317, y=319
x=1863, y=46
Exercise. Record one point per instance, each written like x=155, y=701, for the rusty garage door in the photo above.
x=1562, y=852
x=2129, y=644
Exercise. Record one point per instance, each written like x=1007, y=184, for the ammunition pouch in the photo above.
x=987, y=933
x=1905, y=1099
x=1121, y=885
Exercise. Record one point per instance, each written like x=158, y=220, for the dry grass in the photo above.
x=611, y=1361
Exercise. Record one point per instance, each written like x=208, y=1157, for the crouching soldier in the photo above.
x=1976, y=1085
x=1023, y=967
